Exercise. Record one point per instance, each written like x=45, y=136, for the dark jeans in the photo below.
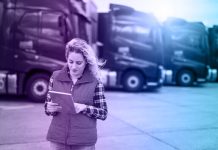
x=59, y=146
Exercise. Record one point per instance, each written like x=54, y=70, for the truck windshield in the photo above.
x=53, y=26
x=191, y=39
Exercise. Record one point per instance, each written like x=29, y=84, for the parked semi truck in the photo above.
x=32, y=41
x=213, y=44
x=132, y=45
x=186, y=52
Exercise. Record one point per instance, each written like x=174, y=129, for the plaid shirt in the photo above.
x=99, y=108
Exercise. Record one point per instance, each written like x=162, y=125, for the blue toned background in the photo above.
x=194, y=10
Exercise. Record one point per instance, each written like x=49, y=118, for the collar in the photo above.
x=63, y=75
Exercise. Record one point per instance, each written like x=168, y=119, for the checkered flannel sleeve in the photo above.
x=48, y=98
x=99, y=109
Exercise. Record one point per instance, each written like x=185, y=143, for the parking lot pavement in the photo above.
x=174, y=118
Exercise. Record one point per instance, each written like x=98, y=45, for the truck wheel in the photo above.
x=37, y=87
x=133, y=81
x=185, y=78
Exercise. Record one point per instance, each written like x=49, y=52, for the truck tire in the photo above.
x=37, y=87
x=133, y=81
x=185, y=78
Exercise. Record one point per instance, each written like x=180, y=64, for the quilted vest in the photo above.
x=72, y=128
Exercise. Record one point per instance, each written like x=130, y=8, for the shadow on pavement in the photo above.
x=200, y=85
x=13, y=98
x=110, y=89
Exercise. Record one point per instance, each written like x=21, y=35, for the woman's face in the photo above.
x=76, y=64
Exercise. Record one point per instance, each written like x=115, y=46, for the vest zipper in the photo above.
x=69, y=121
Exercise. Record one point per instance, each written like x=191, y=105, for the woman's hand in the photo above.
x=53, y=107
x=79, y=107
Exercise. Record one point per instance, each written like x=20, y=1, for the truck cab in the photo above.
x=132, y=45
x=33, y=37
x=186, y=52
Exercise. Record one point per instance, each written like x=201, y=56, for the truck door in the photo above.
x=136, y=35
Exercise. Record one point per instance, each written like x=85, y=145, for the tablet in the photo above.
x=65, y=100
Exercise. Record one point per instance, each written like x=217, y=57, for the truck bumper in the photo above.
x=159, y=83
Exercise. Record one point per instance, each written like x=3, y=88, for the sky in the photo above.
x=190, y=10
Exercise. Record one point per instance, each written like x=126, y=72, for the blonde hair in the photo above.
x=81, y=46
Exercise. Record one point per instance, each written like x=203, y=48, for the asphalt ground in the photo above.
x=172, y=118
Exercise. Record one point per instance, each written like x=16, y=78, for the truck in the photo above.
x=131, y=43
x=33, y=35
x=186, y=52
x=213, y=44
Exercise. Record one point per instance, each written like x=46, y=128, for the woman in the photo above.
x=73, y=126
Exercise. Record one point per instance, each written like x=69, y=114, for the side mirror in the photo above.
x=62, y=25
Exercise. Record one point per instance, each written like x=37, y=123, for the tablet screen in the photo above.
x=65, y=100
